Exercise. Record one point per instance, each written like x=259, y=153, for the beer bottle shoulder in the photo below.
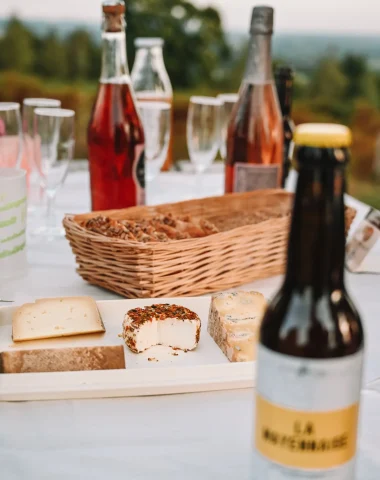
x=303, y=325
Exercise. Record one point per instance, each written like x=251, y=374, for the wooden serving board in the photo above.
x=203, y=369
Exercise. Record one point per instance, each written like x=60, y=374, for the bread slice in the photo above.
x=56, y=317
x=234, y=322
x=62, y=359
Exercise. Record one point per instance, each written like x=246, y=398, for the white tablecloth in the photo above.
x=194, y=436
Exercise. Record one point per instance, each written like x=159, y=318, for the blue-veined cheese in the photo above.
x=234, y=322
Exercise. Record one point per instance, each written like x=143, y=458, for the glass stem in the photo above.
x=50, y=209
x=41, y=195
x=199, y=181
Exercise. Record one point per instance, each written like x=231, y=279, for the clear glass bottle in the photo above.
x=255, y=133
x=150, y=79
x=115, y=132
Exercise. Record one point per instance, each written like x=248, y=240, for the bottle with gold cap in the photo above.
x=311, y=343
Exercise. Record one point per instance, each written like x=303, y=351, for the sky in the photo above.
x=340, y=16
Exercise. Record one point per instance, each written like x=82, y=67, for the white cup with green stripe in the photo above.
x=13, y=205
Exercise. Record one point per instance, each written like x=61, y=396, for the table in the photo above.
x=203, y=436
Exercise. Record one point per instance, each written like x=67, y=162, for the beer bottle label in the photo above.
x=306, y=416
x=249, y=177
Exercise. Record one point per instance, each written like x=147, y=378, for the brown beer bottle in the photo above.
x=284, y=84
x=311, y=343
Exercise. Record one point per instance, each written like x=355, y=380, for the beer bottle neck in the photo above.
x=259, y=63
x=316, y=251
x=284, y=89
x=114, y=58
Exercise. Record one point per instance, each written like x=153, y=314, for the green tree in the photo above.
x=328, y=81
x=327, y=89
x=237, y=68
x=79, y=51
x=17, y=47
x=370, y=91
x=361, y=83
x=195, y=45
x=95, y=61
x=52, y=59
x=355, y=69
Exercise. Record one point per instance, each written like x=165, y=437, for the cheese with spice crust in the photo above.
x=234, y=323
x=162, y=324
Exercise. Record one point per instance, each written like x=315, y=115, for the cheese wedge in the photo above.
x=56, y=317
x=234, y=322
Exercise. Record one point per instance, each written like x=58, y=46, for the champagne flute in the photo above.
x=32, y=156
x=54, y=138
x=11, y=147
x=203, y=133
x=156, y=118
x=228, y=100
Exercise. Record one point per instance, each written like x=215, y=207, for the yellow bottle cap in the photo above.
x=322, y=135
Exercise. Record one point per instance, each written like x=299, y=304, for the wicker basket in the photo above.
x=251, y=245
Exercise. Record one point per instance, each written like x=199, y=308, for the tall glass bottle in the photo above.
x=284, y=84
x=255, y=136
x=311, y=343
x=115, y=132
x=151, y=81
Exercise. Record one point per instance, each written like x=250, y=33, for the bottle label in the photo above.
x=248, y=177
x=306, y=416
x=363, y=249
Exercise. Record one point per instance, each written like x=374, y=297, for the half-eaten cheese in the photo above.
x=163, y=324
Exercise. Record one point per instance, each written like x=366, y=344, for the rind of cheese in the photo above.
x=63, y=359
x=56, y=317
x=169, y=325
x=234, y=322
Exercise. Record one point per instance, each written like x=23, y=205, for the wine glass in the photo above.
x=203, y=132
x=155, y=117
x=10, y=135
x=32, y=156
x=54, y=138
x=228, y=102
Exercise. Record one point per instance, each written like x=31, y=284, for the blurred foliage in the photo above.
x=83, y=56
x=51, y=62
x=17, y=48
x=198, y=59
x=193, y=34
x=15, y=87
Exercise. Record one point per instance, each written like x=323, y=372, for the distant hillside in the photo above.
x=63, y=28
x=300, y=49
x=304, y=50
